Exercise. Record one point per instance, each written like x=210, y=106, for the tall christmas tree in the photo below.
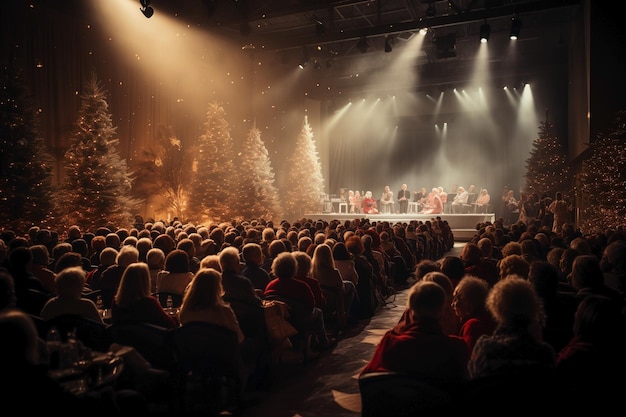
x=97, y=188
x=602, y=181
x=211, y=195
x=547, y=170
x=165, y=171
x=259, y=196
x=25, y=166
x=305, y=173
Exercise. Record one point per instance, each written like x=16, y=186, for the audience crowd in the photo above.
x=523, y=299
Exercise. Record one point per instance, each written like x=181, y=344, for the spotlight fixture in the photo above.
x=146, y=9
x=320, y=28
x=303, y=64
x=516, y=26
x=362, y=44
x=388, y=43
x=485, y=31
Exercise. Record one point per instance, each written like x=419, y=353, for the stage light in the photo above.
x=485, y=31
x=362, y=44
x=516, y=26
x=388, y=43
x=303, y=64
x=146, y=9
x=320, y=28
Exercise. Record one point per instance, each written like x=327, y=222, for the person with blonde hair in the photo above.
x=134, y=300
x=69, y=285
x=203, y=302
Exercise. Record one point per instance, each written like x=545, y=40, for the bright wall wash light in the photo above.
x=146, y=9
x=485, y=31
x=516, y=26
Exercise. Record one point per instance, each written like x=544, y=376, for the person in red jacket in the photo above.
x=420, y=347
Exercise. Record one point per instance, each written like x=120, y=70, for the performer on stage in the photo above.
x=433, y=203
x=386, y=199
x=403, y=199
x=369, y=204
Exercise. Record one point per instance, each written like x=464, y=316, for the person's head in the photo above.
x=275, y=247
x=303, y=261
x=108, y=256
x=469, y=296
x=340, y=252
x=188, y=246
x=513, y=265
x=252, y=253
x=471, y=254
x=425, y=266
x=143, y=245
x=127, y=255
x=67, y=260
x=59, y=249
x=284, y=266
x=368, y=194
x=204, y=291
x=514, y=301
x=229, y=260
x=7, y=290
x=134, y=285
x=164, y=242
x=545, y=278
x=322, y=258
x=70, y=282
x=211, y=261
x=586, y=272
x=303, y=243
x=23, y=350
x=354, y=245
x=113, y=240
x=177, y=261
x=426, y=299
x=554, y=256
x=41, y=256
x=598, y=319
x=453, y=267
x=511, y=248
x=155, y=258
x=486, y=247
x=614, y=257
x=441, y=279
x=580, y=245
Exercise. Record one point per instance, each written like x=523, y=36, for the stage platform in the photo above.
x=463, y=225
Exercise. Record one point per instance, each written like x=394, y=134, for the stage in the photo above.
x=463, y=225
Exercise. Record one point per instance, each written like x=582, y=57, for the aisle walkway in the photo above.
x=328, y=386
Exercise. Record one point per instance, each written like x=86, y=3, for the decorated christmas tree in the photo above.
x=165, y=171
x=211, y=195
x=602, y=181
x=259, y=196
x=306, y=182
x=97, y=186
x=547, y=170
x=25, y=166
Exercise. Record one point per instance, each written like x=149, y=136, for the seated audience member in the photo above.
x=303, y=314
x=252, y=255
x=516, y=344
x=176, y=275
x=344, y=263
x=421, y=347
x=106, y=259
x=453, y=267
x=324, y=271
x=203, y=302
x=41, y=266
x=449, y=321
x=240, y=294
x=69, y=285
x=304, y=274
x=613, y=265
x=469, y=304
x=155, y=258
x=134, y=301
x=476, y=265
x=587, y=278
x=111, y=277
x=593, y=360
x=513, y=265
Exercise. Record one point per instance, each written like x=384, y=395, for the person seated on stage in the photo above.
x=482, y=201
x=433, y=203
x=351, y=200
x=419, y=197
x=459, y=200
x=442, y=195
x=404, y=196
x=358, y=203
x=369, y=204
x=386, y=200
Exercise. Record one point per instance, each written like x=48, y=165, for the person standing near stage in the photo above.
x=403, y=199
